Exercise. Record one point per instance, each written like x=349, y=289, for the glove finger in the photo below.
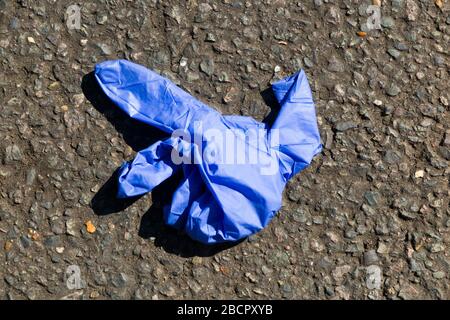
x=149, y=168
x=295, y=132
x=146, y=96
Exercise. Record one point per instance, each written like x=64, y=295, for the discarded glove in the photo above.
x=234, y=168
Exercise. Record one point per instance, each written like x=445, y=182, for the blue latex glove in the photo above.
x=216, y=201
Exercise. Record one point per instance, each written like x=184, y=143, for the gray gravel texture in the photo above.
x=369, y=219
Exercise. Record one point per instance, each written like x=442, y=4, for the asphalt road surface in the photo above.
x=369, y=219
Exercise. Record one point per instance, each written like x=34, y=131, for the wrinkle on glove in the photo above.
x=215, y=201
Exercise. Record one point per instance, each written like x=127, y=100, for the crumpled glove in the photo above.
x=216, y=201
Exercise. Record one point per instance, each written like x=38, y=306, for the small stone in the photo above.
x=387, y=22
x=387, y=110
x=251, y=277
x=210, y=37
x=100, y=278
x=78, y=99
x=286, y=290
x=90, y=226
x=350, y=234
x=397, y=4
x=345, y=125
x=333, y=15
x=392, y=156
x=335, y=65
x=10, y=280
x=370, y=257
x=382, y=248
x=437, y=247
x=54, y=85
x=207, y=66
x=33, y=234
x=8, y=245
x=83, y=149
x=362, y=34
x=101, y=19
x=48, y=56
x=408, y=215
x=393, y=90
x=340, y=271
x=59, y=249
x=14, y=23
x=329, y=137
x=427, y=122
x=401, y=46
x=161, y=57
x=318, y=3
x=339, y=90
x=4, y=172
x=119, y=280
x=168, y=291
x=412, y=10
x=258, y=291
x=71, y=227
x=17, y=196
x=52, y=241
x=231, y=95
x=333, y=236
x=308, y=62
x=105, y=48
x=183, y=62
x=439, y=275
x=372, y=198
x=444, y=101
x=223, y=77
x=378, y=103
x=419, y=174
x=438, y=60
x=394, y=53
x=13, y=153
x=317, y=246
x=414, y=265
x=266, y=270
x=192, y=76
x=204, y=7
x=265, y=66
x=175, y=13
x=447, y=138
x=31, y=40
